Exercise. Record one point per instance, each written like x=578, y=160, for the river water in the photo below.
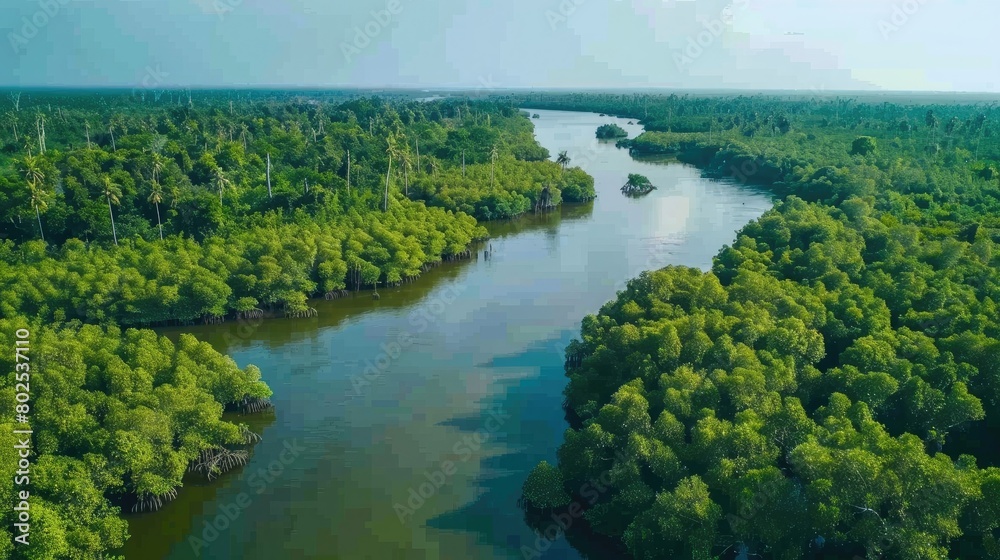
x=424, y=457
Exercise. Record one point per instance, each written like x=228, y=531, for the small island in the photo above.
x=611, y=132
x=637, y=185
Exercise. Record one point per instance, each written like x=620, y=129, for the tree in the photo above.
x=12, y=119
x=112, y=191
x=563, y=159
x=390, y=150
x=34, y=177
x=864, y=145
x=222, y=183
x=932, y=122
x=494, y=154
x=608, y=132
x=637, y=184
x=156, y=197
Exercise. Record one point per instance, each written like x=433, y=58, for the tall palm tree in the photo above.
x=563, y=159
x=35, y=179
x=12, y=119
x=37, y=197
x=156, y=197
x=40, y=126
x=494, y=154
x=407, y=163
x=221, y=182
x=31, y=168
x=244, y=135
x=391, y=150
x=113, y=193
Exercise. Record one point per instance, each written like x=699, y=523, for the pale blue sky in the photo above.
x=746, y=44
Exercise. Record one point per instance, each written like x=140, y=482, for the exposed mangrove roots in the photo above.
x=254, y=313
x=218, y=460
x=151, y=502
x=214, y=319
x=253, y=405
x=249, y=436
x=301, y=313
x=466, y=254
x=337, y=294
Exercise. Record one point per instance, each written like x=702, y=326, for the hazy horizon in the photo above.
x=904, y=46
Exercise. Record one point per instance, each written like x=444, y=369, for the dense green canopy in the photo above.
x=611, y=131
x=116, y=210
x=832, y=384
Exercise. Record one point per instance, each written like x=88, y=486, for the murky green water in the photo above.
x=464, y=384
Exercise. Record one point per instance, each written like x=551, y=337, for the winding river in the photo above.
x=404, y=427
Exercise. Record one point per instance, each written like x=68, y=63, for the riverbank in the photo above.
x=873, y=249
x=486, y=335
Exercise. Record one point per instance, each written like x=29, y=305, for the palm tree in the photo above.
x=494, y=154
x=405, y=162
x=12, y=119
x=221, y=182
x=112, y=191
x=244, y=134
x=40, y=126
x=37, y=197
x=156, y=197
x=35, y=179
x=932, y=123
x=563, y=159
x=31, y=168
x=391, y=150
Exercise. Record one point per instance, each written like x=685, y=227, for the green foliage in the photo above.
x=117, y=416
x=864, y=145
x=833, y=377
x=201, y=171
x=611, y=131
x=544, y=487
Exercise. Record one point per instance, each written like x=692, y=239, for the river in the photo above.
x=464, y=386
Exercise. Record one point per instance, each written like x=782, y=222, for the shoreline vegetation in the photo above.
x=637, y=185
x=122, y=211
x=611, y=132
x=830, y=387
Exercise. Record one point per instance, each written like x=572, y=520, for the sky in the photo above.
x=818, y=45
